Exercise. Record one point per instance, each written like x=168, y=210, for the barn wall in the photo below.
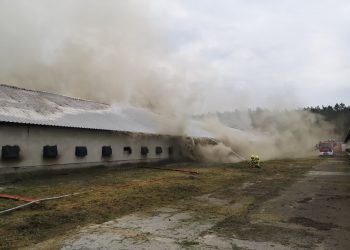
x=31, y=140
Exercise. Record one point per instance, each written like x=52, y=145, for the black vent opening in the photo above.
x=159, y=150
x=80, y=151
x=10, y=152
x=144, y=151
x=106, y=151
x=170, y=150
x=128, y=150
x=50, y=151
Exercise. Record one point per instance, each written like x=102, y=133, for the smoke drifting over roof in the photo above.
x=111, y=51
x=105, y=51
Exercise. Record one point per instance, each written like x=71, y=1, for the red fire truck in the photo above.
x=327, y=148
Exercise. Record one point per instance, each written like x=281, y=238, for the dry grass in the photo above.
x=110, y=193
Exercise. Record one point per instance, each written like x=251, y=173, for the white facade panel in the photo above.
x=31, y=140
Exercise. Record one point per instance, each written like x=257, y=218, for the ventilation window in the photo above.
x=144, y=151
x=106, y=151
x=50, y=151
x=10, y=152
x=80, y=151
x=170, y=150
x=159, y=150
x=127, y=150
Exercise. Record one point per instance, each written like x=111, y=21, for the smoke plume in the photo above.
x=111, y=51
x=106, y=51
x=271, y=134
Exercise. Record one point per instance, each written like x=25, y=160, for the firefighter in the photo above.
x=252, y=159
x=255, y=161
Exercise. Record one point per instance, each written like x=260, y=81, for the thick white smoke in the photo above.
x=107, y=51
x=111, y=51
x=273, y=134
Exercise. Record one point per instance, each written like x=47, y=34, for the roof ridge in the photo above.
x=50, y=93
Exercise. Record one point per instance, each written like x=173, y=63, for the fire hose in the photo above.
x=37, y=201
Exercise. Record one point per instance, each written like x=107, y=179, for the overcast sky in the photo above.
x=275, y=53
x=222, y=54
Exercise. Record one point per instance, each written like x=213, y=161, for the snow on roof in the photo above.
x=18, y=105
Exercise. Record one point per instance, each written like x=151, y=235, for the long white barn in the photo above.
x=40, y=130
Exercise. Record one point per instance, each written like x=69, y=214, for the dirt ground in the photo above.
x=288, y=204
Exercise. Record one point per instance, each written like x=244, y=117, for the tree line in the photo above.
x=338, y=115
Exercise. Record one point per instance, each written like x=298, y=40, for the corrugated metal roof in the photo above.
x=18, y=105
